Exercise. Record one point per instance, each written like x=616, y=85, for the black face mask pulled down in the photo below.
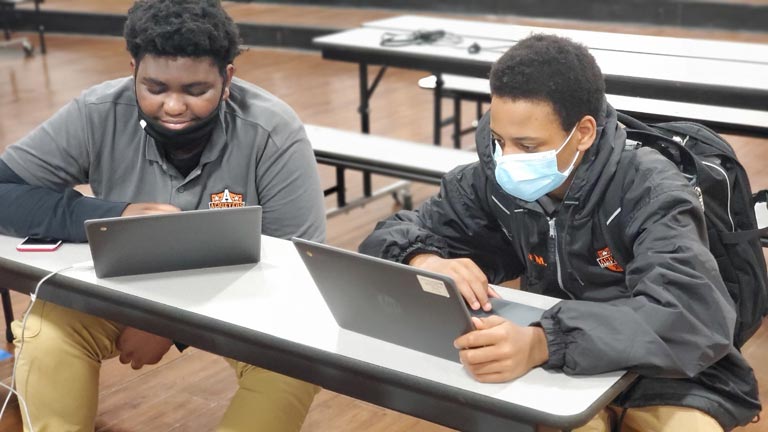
x=172, y=140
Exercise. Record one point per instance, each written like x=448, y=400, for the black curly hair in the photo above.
x=182, y=28
x=552, y=69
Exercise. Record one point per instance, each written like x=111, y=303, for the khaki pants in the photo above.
x=651, y=419
x=58, y=377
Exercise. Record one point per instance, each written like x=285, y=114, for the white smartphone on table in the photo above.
x=32, y=244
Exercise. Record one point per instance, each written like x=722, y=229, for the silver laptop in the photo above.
x=174, y=241
x=397, y=303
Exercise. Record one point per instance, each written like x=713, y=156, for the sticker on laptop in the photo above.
x=433, y=286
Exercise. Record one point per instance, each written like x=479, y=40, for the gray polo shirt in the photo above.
x=259, y=154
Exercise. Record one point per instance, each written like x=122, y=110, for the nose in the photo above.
x=174, y=105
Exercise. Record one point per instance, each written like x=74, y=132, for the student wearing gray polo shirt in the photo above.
x=180, y=134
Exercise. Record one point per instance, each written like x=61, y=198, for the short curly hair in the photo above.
x=182, y=28
x=551, y=69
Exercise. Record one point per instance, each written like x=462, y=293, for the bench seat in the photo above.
x=386, y=156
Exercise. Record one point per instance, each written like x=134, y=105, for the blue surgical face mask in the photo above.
x=530, y=176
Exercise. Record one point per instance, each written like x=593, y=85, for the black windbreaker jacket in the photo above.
x=666, y=316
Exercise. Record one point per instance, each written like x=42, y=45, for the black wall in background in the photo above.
x=684, y=13
x=112, y=25
x=678, y=13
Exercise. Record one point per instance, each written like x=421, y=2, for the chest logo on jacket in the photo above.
x=537, y=259
x=606, y=260
x=226, y=199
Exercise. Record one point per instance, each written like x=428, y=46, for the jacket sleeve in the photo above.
x=452, y=224
x=676, y=317
x=40, y=212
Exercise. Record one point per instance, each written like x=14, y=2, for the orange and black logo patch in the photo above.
x=226, y=199
x=537, y=259
x=606, y=260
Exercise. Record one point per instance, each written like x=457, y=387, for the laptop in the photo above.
x=397, y=303
x=174, y=241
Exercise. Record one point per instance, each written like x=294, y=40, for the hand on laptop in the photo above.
x=140, y=348
x=470, y=280
x=500, y=350
x=137, y=209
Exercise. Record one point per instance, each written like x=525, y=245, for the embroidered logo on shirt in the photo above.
x=537, y=259
x=606, y=260
x=226, y=199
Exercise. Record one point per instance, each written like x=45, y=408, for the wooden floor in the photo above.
x=189, y=391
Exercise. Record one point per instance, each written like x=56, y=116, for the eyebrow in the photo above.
x=156, y=82
x=198, y=84
x=519, y=139
x=152, y=81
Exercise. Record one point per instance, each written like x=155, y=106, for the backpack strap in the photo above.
x=676, y=152
x=671, y=149
x=632, y=123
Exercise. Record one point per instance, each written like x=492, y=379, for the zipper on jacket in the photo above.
x=553, y=236
x=571, y=270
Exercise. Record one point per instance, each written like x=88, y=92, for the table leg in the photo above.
x=341, y=195
x=438, y=118
x=40, y=27
x=364, y=108
x=456, y=122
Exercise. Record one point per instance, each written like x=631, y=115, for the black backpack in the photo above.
x=710, y=165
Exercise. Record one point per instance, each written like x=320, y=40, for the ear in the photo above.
x=586, y=131
x=133, y=67
x=228, y=80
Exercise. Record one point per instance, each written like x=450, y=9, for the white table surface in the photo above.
x=637, y=65
x=666, y=108
x=663, y=45
x=278, y=297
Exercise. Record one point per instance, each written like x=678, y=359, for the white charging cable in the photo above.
x=33, y=298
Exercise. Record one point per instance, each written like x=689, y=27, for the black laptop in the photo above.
x=397, y=303
x=174, y=241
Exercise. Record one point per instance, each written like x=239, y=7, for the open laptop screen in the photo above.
x=394, y=302
x=174, y=241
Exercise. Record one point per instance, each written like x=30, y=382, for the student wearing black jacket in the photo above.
x=549, y=149
x=176, y=135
